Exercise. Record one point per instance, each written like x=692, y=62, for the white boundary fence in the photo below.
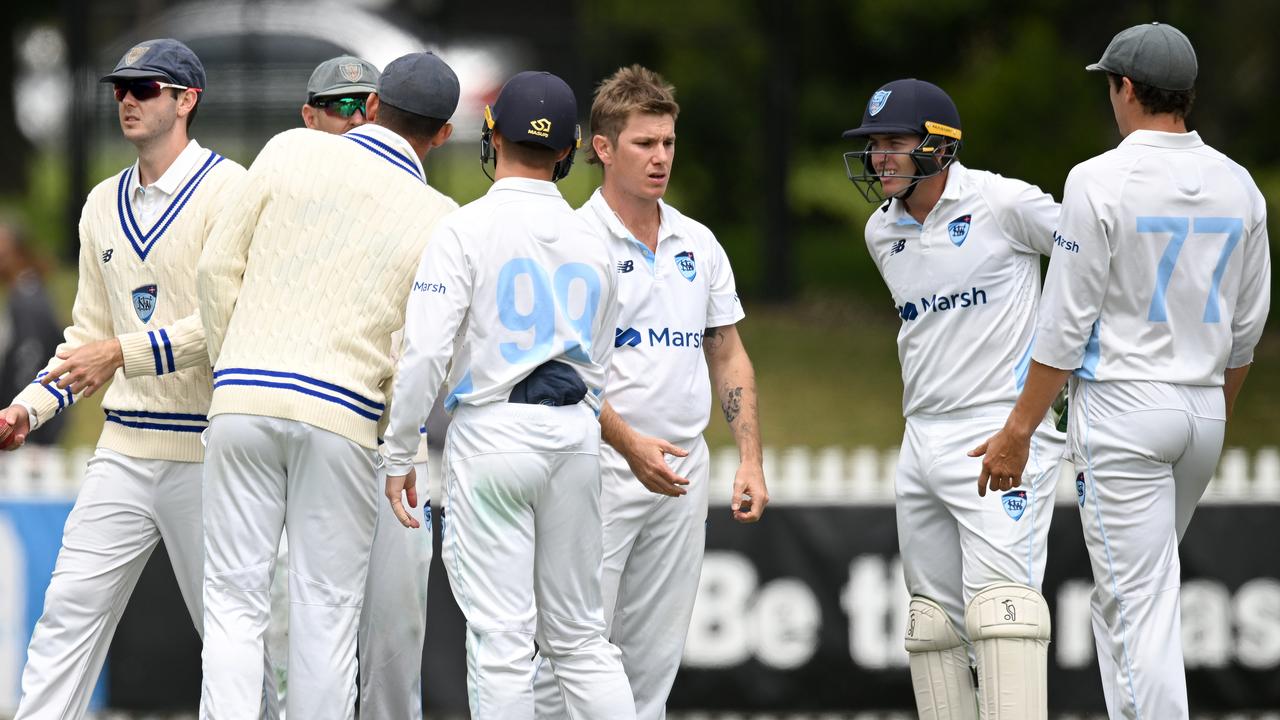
x=796, y=475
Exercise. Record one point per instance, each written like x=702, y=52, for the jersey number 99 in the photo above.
x=546, y=307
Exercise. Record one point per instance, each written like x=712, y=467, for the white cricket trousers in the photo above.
x=653, y=549
x=124, y=508
x=953, y=542
x=1144, y=453
x=393, y=623
x=522, y=547
x=261, y=475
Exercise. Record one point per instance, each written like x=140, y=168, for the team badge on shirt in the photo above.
x=1015, y=503
x=958, y=229
x=144, y=302
x=1080, y=489
x=684, y=261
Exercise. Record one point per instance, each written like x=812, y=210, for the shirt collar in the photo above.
x=529, y=185
x=390, y=137
x=178, y=171
x=952, y=190
x=668, y=225
x=1157, y=138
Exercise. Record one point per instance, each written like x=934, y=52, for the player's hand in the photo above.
x=15, y=425
x=408, y=485
x=646, y=456
x=1004, y=457
x=749, y=494
x=86, y=368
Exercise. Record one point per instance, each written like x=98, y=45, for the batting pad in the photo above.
x=1009, y=626
x=940, y=674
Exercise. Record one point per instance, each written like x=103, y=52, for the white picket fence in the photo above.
x=796, y=475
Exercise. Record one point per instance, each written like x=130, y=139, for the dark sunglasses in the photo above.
x=144, y=90
x=343, y=107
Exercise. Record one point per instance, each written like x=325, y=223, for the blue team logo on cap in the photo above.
x=684, y=261
x=1015, y=503
x=1080, y=489
x=958, y=229
x=144, y=302
x=878, y=101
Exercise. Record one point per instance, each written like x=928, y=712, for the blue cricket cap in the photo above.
x=160, y=59
x=909, y=107
x=537, y=107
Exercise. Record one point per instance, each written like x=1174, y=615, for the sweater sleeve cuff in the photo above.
x=144, y=354
x=45, y=400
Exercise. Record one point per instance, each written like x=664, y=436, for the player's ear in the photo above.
x=442, y=135
x=371, y=106
x=308, y=116
x=602, y=148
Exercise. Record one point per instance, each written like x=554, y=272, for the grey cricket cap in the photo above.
x=420, y=83
x=343, y=75
x=1153, y=54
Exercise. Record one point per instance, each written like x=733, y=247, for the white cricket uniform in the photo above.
x=138, y=252
x=659, y=384
x=1160, y=280
x=966, y=284
x=301, y=285
x=516, y=280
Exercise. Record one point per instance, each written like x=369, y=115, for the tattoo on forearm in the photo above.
x=731, y=404
x=712, y=340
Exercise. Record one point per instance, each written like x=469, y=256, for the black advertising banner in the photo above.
x=806, y=610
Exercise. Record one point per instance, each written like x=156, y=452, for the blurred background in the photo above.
x=765, y=89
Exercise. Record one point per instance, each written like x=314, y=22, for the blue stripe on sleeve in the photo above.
x=155, y=352
x=168, y=350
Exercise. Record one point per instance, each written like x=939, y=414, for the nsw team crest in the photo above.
x=878, y=101
x=144, y=302
x=958, y=229
x=135, y=54
x=1080, y=489
x=684, y=261
x=1015, y=503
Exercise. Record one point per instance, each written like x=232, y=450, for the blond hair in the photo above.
x=631, y=89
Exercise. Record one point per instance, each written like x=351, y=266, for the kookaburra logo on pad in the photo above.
x=540, y=127
x=351, y=72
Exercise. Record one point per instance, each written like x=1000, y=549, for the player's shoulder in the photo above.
x=108, y=188
x=879, y=221
x=687, y=227
x=1238, y=171
x=1104, y=172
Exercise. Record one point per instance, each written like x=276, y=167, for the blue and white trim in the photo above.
x=275, y=379
x=147, y=420
x=388, y=153
x=65, y=398
x=144, y=242
x=161, y=351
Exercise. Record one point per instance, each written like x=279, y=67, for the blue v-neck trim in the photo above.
x=386, y=152
x=144, y=242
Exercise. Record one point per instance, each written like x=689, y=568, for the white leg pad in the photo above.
x=940, y=673
x=1009, y=626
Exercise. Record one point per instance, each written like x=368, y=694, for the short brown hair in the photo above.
x=631, y=89
x=1157, y=101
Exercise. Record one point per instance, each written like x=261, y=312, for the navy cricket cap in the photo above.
x=160, y=59
x=537, y=107
x=909, y=107
x=420, y=83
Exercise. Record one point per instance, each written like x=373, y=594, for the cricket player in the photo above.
x=301, y=287
x=134, y=322
x=393, y=620
x=517, y=299
x=1156, y=295
x=676, y=338
x=960, y=252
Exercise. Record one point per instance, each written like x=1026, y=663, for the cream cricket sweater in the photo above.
x=306, y=277
x=139, y=285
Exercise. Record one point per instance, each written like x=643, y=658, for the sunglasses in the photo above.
x=144, y=90
x=343, y=107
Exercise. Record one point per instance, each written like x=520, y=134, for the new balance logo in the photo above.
x=898, y=247
x=630, y=337
x=106, y=256
x=626, y=266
